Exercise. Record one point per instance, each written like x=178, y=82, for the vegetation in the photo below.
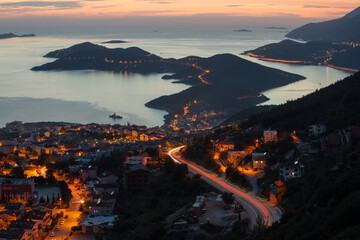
x=200, y=151
x=334, y=106
x=142, y=215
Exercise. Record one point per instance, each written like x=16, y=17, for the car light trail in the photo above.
x=249, y=199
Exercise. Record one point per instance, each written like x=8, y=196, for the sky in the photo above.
x=281, y=12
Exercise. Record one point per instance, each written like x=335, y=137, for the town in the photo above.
x=74, y=181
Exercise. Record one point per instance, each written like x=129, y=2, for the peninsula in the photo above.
x=334, y=43
x=221, y=83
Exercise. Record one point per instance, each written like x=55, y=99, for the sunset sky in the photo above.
x=178, y=9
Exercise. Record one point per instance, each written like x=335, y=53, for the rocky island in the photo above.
x=114, y=41
x=12, y=35
x=223, y=82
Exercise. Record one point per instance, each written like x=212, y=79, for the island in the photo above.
x=114, y=41
x=12, y=35
x=340, y=51
x=243, y=30
x=223, y=83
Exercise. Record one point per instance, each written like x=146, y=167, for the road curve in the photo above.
x=255, y=207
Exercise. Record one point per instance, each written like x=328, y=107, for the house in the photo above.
x=101, y=208
x=88, y=173
x=41, y=218
x=105, y=188
x=137, y=178
x=138, y=160
x=16, y=189
x=18, y=208
x=144, y=137
x=270, y=136
x=291, y=170
x=317, y=130
x=97, y=224
x=46, y=207
x=107, y=177
x=14, y=234
x=224, y=146
x=30, y=228
x=259, y=160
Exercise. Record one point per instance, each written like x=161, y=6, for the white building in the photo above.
x=317, y=129
x=290, y=171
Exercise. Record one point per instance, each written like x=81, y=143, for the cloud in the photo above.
x=42, y=4
x=315, y=6
x=156, y=1
x=234, y=5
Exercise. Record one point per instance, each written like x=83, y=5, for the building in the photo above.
x=46, y=207
x=30, y=228
x=101, y=208
x=270, y=136
x=317, y=130
x=289, y=171
x=16, y=189
x=259, y=160
x=137, y=178
x=88, y=173
x=107, y=177
x=224, y=146
x=138, y=160
x=144, y=137
x=97, y=224
x=14, y=234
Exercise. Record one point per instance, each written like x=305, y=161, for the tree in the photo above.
x=228, y=198
x=18, y=172
x=50, y=176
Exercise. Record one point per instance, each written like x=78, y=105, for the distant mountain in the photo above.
x=346, y=28
x=11, y=35
x=341, y=56
x=223, y=82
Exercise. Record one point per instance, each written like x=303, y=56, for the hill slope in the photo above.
x=346, y=28
x=336, y=106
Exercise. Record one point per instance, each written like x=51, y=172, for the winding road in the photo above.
x=255, y=207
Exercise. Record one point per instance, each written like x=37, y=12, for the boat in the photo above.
x=114, y=116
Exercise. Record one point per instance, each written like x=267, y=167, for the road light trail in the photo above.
x=257, y=208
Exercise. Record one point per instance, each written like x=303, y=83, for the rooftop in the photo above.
x=99, y=220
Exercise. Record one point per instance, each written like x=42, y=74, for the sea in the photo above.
x=90, y=96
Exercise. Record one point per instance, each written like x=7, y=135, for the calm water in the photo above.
x=90, y=96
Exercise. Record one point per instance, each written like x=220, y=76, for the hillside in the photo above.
x=223, y=82
x=346, y=28
x=335, y=106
